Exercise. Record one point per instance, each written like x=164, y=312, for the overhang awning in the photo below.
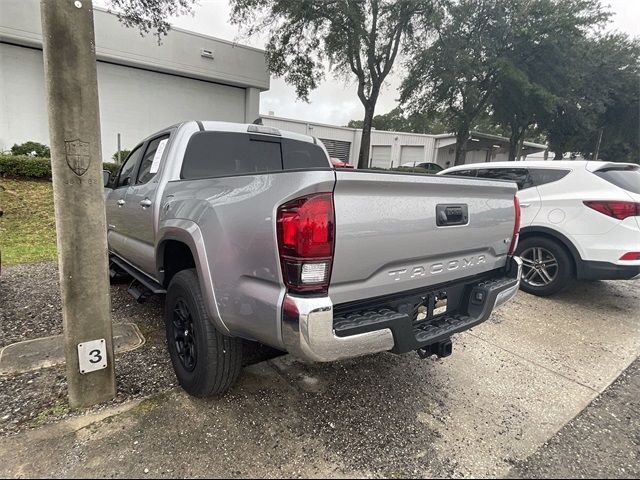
x=486, y=141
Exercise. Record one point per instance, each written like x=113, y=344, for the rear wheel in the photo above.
x=547, y=267
x=205, y=361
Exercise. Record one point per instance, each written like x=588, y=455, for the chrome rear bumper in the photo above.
x=308, y=323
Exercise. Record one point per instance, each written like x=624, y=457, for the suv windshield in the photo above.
x=626, y=177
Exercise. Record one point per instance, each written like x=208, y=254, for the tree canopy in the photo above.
x=150, y=15
x=353, y=39
x=454, y=75
x=529, y=68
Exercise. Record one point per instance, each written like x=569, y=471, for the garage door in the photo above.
x=137, y=102
x=337, y=148
x=411, y=154
x=381, y=156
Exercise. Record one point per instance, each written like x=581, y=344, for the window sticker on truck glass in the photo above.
x=155, y=166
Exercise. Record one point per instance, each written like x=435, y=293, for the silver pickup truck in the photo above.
x=252, y=235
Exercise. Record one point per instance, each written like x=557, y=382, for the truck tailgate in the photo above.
x=387, y=237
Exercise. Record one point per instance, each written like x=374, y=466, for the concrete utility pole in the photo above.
x=74, y=127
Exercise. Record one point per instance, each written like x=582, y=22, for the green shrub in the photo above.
x=112, y=167
x=24, y=166
x=123, y=155
x=32, y=149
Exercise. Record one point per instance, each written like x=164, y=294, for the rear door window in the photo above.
x=151, y=160
x=626, y=177
x=464, y=173
x=222, y=154
x=518, y=175
x=542, y=176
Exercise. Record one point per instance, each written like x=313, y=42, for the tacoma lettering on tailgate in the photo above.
x=436, y=268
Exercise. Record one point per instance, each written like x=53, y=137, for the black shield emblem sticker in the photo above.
x=78, y=157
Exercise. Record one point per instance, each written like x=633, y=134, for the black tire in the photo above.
x=209, y=362
x=539, y=276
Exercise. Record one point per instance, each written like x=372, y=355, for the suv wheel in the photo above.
x=206, y=362
x=547, y=267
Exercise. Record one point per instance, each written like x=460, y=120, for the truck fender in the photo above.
x=189, y=233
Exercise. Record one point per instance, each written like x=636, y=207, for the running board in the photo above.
x=149, y=284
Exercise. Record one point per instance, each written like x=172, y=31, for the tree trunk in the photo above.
x=516, y=135
x=558, y=155
x=462, y=139
x=520, y=145
x=365, y=143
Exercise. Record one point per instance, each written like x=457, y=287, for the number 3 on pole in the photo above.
x=92, y=356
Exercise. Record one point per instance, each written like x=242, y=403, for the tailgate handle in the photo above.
x=450, y=215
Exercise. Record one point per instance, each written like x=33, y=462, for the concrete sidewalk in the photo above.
x=510, y=386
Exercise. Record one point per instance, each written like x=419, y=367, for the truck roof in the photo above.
x=217, y=126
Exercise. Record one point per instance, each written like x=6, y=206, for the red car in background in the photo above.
x=337, y=163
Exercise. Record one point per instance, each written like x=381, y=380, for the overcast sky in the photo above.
x=335, y=102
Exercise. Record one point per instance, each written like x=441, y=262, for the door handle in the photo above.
x=121, y=202
x=146, y=203
x=525, y=205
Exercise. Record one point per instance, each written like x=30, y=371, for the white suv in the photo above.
x=580, y=219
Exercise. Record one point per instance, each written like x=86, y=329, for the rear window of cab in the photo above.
x=224, y=154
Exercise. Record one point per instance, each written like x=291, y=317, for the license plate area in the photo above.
x=435, y=304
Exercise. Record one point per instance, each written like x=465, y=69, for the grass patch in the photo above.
x=147, y=406
x=27, y=228
x=54, y=411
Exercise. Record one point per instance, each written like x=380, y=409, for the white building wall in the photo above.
x=143, y=86
x=289, y=125
x=133, y=102
x=136, y=103
x=318, y=130
x=437, y=148
x=397, y=139
x=23, y=104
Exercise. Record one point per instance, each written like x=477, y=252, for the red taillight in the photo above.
x=631, y=256
x=619, y=210
x=306, y=229
x=516, y=226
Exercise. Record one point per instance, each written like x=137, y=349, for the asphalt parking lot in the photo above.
x=507, y=403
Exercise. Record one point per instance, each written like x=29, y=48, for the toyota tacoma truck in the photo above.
x=251, y=234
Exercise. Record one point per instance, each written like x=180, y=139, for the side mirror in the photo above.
x=106, y=177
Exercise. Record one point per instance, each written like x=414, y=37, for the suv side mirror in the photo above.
x=106, y=177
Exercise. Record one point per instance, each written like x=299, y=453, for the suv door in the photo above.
x=115, y=201
x=528, y=194
x=140, y=210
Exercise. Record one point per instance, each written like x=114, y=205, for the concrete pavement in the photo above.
x=510, y=386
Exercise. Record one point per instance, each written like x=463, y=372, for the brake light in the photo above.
x=306, y=229
x=619, y=210
x=631, y=256
x=516, y=226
